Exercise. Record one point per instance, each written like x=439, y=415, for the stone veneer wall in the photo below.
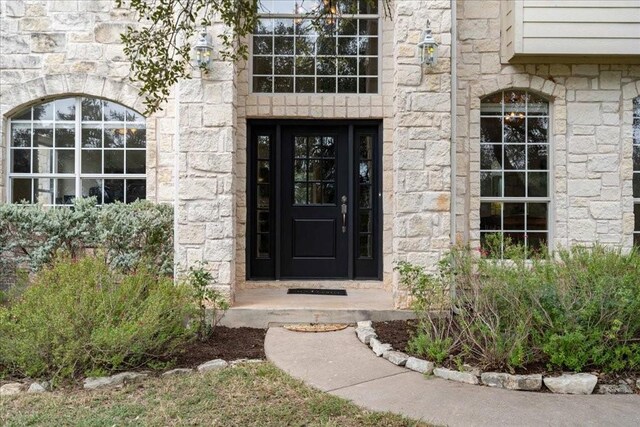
x=60, y=48
x=591, y=144
x=51, y=49
x=414, y=105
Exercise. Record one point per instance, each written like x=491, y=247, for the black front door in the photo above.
x=314, y=200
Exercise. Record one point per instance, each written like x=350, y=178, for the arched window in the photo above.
x=636, y=169
x=514, y=168
x=73, y=147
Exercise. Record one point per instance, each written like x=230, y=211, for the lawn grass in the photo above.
x=246, y=395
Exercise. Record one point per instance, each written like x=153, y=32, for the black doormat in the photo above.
x=305, y=291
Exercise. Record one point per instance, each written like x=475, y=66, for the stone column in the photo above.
x=421, y=148
x=206, y=195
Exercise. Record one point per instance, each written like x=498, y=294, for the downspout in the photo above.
x=454, y=87
x=176, y=180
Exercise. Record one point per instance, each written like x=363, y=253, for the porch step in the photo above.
x=261, y=308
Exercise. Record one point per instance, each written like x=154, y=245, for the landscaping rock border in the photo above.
x=567, y=383
x=118, y=380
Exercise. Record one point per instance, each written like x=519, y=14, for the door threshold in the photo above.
x=314, y=284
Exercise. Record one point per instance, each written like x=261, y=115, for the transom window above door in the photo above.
x=73, y=147
x=316, y=46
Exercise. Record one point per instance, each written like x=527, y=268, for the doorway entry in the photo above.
x=314, y=200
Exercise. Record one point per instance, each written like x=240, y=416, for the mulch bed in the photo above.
x=399, y=332
x=225, y=343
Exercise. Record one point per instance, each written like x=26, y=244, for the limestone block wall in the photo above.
x=320, y=106
x=590, y=127
x=51, y=48
x=206, y=187
x=421, y=136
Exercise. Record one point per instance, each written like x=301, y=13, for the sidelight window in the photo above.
x=72, y=147
x=514, y=169
x=295, y=50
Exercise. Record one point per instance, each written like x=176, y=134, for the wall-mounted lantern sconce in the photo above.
x=428, y=47
x=204, y=50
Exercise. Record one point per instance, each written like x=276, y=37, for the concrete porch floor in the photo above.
x=260, y=308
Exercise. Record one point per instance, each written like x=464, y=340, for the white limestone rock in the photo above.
x=571, y=383
x=419, y=365
x=396, y=357
x=620, y=388
x=471, y=369
x=212, y=365
x=11, y=389
x=512, y=382
x=93, y=383
x=461, y=377
x=365, y=334
x=378, y=347
x=177, y=371
x=365, y=324
x=36, y=388
x=245, y=361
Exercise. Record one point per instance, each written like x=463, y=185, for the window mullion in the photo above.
x=78, y=146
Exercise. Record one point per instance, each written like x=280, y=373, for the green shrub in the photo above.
x=211, y=303
x=577, y=310
x=79, y=317
x=130, y=235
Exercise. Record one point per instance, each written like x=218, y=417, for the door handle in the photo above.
x=343, y=209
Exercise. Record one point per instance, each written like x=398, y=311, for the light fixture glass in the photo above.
x=428, y=47
x=203, y=49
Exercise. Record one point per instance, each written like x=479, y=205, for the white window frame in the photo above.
x=548, y=199
x=315, y=75
x=77, y=175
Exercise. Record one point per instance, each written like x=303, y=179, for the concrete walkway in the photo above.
x=336, y=362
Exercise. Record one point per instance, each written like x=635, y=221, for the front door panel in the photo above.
x=314, y=200
x=314, y=182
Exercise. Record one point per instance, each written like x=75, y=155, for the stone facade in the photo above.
x=591, y=117
x=197, y=144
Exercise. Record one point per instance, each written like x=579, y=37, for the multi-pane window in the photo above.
x=514, y=169
x=73, y=147
x=365, y=204
x=636, y=169
x=316, y=46
x=314, y=170
x=263, y=186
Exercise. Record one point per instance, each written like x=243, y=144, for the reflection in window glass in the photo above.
x=52, y=164
x=296, y=52
x=514, y=175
